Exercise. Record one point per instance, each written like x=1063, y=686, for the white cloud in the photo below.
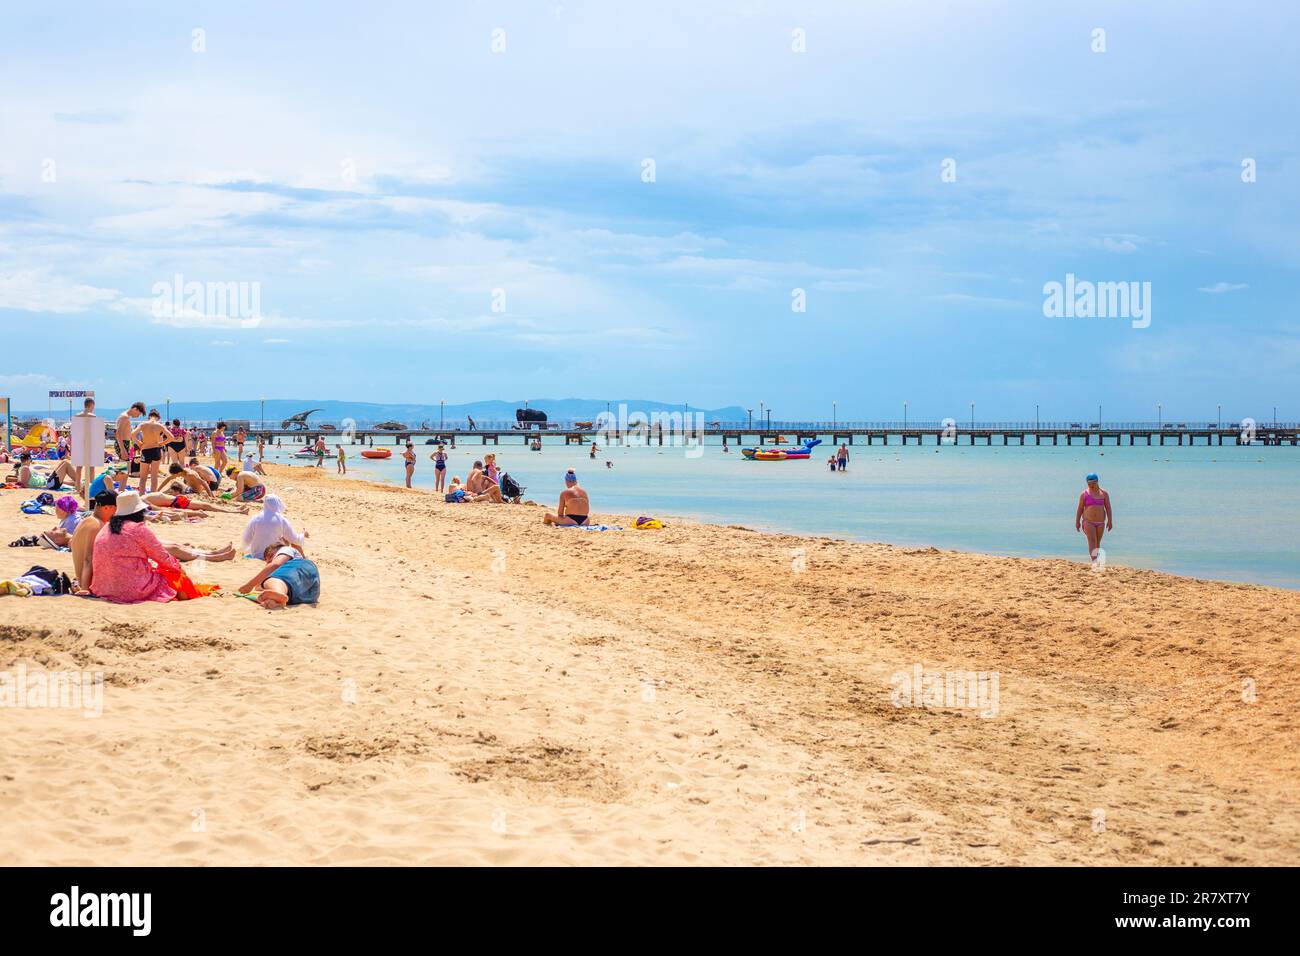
x=1121, y=246
x=32, y=291
x=1221, y=287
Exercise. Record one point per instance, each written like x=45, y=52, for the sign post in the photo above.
x=85, y=439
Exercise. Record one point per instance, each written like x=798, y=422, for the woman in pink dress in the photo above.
x=123, y=549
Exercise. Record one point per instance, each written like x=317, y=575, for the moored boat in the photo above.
x=781, y=454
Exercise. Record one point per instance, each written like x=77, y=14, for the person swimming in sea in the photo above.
x=1093, y=516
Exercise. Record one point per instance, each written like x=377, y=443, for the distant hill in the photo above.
x=368, y=413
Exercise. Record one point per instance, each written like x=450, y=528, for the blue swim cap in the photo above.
x=571, y=475
x=1091, y=477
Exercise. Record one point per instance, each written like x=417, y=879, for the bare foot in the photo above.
x=272, y=600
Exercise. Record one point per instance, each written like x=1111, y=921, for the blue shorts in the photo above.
x=302, y=579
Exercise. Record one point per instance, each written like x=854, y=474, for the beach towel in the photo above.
x=592, y=527
x=186, y=590
x=32, y=508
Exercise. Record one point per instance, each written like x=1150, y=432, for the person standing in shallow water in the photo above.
x=439, y=459
x=409, y=457
x=842, y=457
x=1093, y=516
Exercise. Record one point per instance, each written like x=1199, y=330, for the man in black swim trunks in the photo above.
x=574, y=505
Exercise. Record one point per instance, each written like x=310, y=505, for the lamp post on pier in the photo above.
x=1160, y=415
x=905, y=416
x=972, y=417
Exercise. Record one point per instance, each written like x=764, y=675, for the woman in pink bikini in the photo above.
x=219, y=459
x=1093, y=516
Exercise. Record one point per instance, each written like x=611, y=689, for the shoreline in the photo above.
x=527, y=695
x=776, y=531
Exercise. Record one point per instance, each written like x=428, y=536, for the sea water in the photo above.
x=1230, y=512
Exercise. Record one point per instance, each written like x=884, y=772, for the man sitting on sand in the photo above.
x=574, y=506
x=479, y=487
x=83, y=541
x=253, y=465
x=287, y=578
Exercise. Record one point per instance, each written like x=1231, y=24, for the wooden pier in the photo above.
x=832, y=435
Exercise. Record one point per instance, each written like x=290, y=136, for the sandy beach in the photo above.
x=475, y=689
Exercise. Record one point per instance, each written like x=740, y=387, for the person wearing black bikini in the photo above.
x=439, y=458
x=409, y=455
x=574, y=507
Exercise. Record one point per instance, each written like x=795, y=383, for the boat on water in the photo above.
x=804, y=451
x=377, y=453
x=305, y=453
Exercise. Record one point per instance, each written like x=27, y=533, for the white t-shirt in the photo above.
x=250, y=463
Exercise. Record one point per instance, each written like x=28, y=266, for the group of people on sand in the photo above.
x=118, y=558
x=156, y=477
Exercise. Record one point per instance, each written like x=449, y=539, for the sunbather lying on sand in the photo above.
x=174, y=497
x=65, y=509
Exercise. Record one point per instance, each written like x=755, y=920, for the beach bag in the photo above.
x=509, y=487
x=45, y=499
x=32, y=508
x=455, y=497
x=58, y=581
x=643, y=523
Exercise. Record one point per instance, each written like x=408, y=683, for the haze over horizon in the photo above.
x=429, y=208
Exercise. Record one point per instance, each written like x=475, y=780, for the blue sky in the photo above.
x=379, y=172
